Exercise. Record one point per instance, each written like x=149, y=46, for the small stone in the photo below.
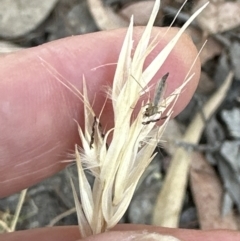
x=230, y=152
x=80, y=19
x=235, y=57
x=232, y=120
x=19, y=17
x=8, y=47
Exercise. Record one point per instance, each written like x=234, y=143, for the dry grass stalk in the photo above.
x=118, y=165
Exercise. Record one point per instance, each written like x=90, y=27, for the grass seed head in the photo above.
x=117, y=166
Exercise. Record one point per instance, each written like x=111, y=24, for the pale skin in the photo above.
x=37, y=112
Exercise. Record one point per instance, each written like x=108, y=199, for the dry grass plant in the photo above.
x=117, y=166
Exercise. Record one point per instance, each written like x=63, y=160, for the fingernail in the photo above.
x=131, y=236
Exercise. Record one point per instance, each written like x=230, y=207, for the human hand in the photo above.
x=36, y=115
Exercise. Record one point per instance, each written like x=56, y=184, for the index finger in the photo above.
x=37, y=112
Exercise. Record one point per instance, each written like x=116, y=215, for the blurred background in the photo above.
x=211, y=197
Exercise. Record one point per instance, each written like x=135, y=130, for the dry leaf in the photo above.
x=105, y=17
x=171, y=134
x=140, y=10
x=219, y=16
x=208, y=196
x=206, y=84
x=211, y=49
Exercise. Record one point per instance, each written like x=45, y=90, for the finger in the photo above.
x=67, y=233
x=182, y=234
x=123, y=232
x=37, y=112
